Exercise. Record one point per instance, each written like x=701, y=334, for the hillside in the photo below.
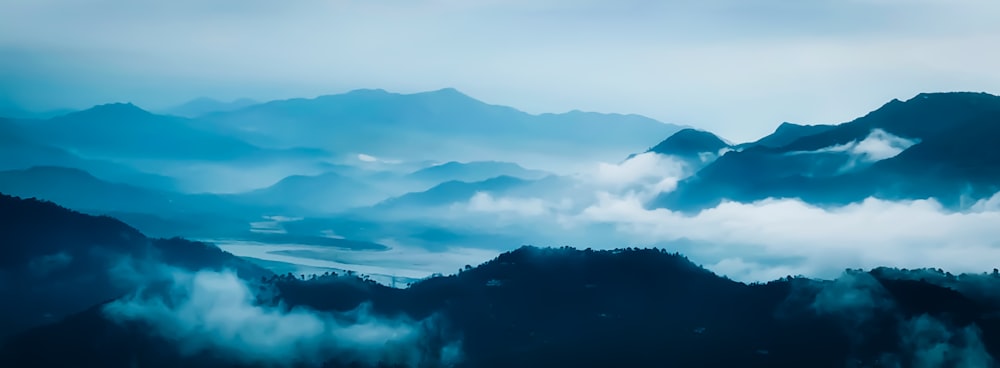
x=56, y=262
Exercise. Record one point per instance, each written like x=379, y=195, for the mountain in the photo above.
x=81, y=191
x=544, y=307
x=935, y=145
x=459, y=192
x=690, y=144
x=56, y=262
x=787, y=133
x=450, y=192
x=325, y=193
x=473, y=171
x=18, y=153
x=125, y=131
x=438, y=125
x=204, y=105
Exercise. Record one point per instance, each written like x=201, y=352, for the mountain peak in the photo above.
x=118, y=109
x=368, y=91
x=689, y=142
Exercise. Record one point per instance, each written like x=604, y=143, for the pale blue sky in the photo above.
x=736, y=67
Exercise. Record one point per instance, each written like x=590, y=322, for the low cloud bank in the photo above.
x=756, y=241
x=857, y=299
x=743, y=240
x=217, y=311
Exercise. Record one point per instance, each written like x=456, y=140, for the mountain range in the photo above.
x=936, y=145
x=436, y=125
x=105, y=281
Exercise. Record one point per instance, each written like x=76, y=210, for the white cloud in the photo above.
x=217, y=311
x=878, y=145
x=484, y=202
x=643, y=176
x=771, y=238
x=366, y=158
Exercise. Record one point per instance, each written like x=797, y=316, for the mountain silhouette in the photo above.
x=473, y=171
x=543, y=307
x=450, y=192
x=787, y=133
x=123, y=130
x=19, y=153
x=57, y=262
x=945, y=154
x=188, y=214
x=204, y=105
x=437, y=125
x=689, y=143
x=318, y=194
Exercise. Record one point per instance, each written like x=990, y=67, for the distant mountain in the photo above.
x=690, y=143
x=18, y=153
x=938, y=145
x=204, y=105
x=788, y=133
x=543, y=307
x=455, y=191
x=81, y=191
x=436, y=125
x=12, y=110
x=450, y=192
x=125, y=131
x=56, y=262
x=473, y=171
x=325, y=193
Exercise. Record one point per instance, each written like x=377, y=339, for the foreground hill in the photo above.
x=55, y=262
x=532, y=307
x=940, y=145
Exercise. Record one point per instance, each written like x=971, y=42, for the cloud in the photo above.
x=642, y=176
x=771, y=238
x=857, y=298
x=878, y=145
x=529, y=207
x=930, y=342
x=854, y=295
x=217, y=311
x=366, y=158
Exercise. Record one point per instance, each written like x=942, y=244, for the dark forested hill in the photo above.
x=544, y=307
x=54, y=262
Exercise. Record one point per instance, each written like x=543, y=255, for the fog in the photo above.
x=217, y=311
x=757, y=241
x=856, y=297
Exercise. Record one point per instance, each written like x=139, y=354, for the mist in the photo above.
x=758, y=241
x=219, y=312
x=857, y=299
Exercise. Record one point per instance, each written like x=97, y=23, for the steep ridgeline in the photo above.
x=536, y=307
x=941, y=145
x=55, y=262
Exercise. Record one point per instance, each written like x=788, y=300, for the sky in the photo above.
x=735, y=67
